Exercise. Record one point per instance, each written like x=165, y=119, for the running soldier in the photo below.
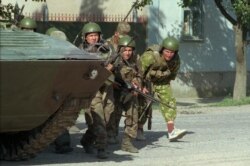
x=159, y=65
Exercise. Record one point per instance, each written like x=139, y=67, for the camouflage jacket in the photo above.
x=113, y=42
x=156, y=69
x=103, y=50
x=127, y=71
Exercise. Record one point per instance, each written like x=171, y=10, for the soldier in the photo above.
x=125, y=70
x=122, y=29
x=159, y=65
x=56, y=33
x=28, y=24
x=102, y=105
x=62, y=143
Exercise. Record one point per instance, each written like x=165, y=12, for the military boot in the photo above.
x=102, y=154
x=88, y=147
x=127, y=145
x=62, y=143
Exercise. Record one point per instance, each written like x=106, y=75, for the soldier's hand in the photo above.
x=145, y=90
x=109, y=67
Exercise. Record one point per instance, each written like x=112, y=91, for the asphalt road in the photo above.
x=216, y=136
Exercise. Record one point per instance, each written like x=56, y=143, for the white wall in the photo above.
x=208, y=66
x=215, y=53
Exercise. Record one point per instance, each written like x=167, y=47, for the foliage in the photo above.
x=140, y=4
x=231, y=102
x=6, y=11
x=242, y=10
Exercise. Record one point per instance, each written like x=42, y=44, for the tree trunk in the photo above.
x=240, y=84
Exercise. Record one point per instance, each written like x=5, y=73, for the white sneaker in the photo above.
x=176, y=134
x=140, y=135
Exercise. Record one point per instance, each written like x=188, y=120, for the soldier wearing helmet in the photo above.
x=159, y=65
x=92, y=39
x=28, y=24
x=56, y=33
x=102, y=105
x=126, y=71
x=123, y=28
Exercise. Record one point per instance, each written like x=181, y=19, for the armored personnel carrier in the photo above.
x=45, y=82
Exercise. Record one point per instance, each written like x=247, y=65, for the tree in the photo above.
x=240, y=26
x=237, y=12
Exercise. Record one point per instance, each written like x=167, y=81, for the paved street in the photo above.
x=216, y=136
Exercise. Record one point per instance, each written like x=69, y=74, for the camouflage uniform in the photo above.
x=152, y=62
x=160, y=72
x=122, y=29
x=102, y=105
x=126, y=72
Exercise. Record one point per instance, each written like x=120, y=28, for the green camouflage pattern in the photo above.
x=123, y=28
x=164, y=93
x=155, y=69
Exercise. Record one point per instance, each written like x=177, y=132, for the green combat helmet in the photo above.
x=28, y=23
x=50, y=30
x=170, y=43
x=91, y=27
x=56, y=33
x=126, y=41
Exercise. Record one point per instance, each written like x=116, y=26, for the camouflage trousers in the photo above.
x=114, y=121
x=128, y=103
x=98, y=116
x=164, y=93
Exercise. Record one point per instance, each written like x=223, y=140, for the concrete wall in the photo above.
x=207, y=66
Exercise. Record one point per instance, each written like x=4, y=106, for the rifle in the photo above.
x=132, y=7
x=148, y=108
x=128, y=87
x=148, y=112
x=147, y=96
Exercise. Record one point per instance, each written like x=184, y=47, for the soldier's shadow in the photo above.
x=152, y=137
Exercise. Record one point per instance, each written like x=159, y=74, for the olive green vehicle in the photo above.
x=45, y=82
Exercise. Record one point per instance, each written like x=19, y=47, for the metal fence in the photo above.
x=83, y=17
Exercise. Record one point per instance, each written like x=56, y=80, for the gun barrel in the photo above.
x=151, y=98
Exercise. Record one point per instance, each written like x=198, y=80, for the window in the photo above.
x=193, y=22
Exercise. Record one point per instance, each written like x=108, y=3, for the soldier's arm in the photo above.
x=146, y=61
